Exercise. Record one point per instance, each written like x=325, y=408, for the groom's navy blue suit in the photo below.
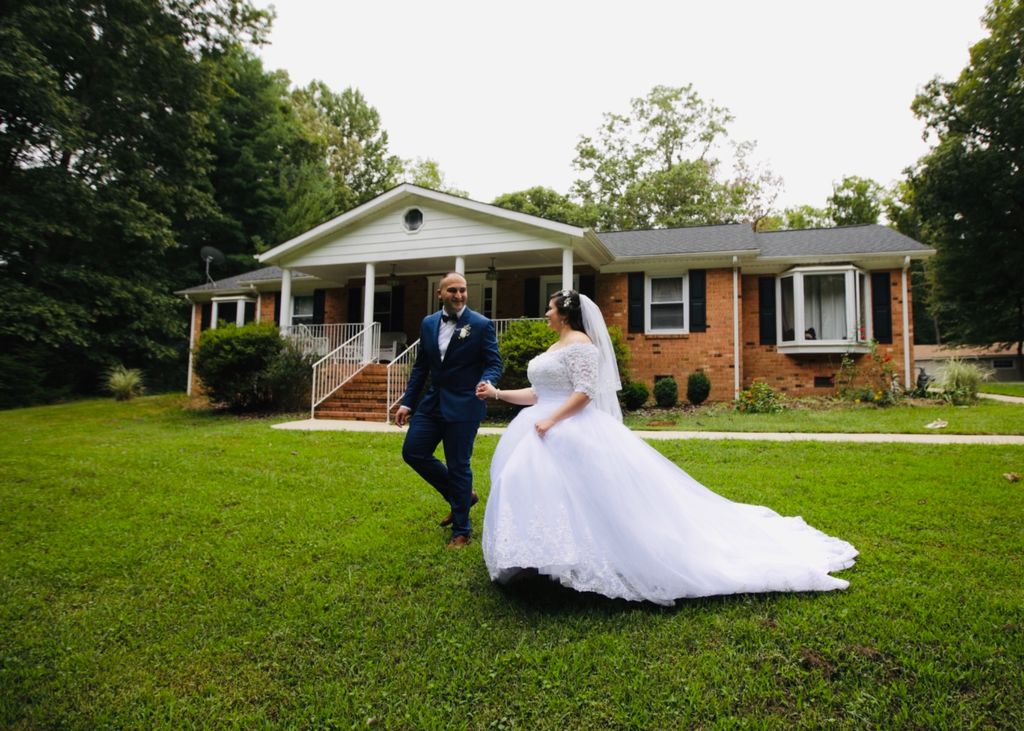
x=450, y=412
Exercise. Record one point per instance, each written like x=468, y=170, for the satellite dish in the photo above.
x=211, y=254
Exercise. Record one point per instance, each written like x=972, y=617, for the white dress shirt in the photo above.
x=445, y=332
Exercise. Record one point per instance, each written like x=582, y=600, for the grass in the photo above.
x=985, y=417
x=166, y=569
x=1006, y=388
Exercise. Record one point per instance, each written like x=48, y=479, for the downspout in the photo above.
x=191, y=342
x=906, y=326
x=736, y=326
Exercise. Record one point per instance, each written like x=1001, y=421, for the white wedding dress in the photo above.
x=598, y=509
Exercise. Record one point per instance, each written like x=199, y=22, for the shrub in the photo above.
x=760, y=398
x=124, y=383
x=622, y=354
x=873, y=381
x=251, y=367
x=960, y=381
x=519, y=344
x=633, y=395
x=698, y=388
x=666, y=392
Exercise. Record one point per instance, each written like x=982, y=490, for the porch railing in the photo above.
x=500, y=326
x=339, y=366
x=398, y=377
x=320, y=340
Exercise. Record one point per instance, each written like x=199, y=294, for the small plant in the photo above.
x=666, y=392
x=873, y=381
x=960, y=381
x=760, y=398
x=698, y=388
x=633, y=395
x=124, y=383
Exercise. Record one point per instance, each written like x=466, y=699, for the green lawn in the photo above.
x=167, y=569
x=985, y=417
x=1006, y=388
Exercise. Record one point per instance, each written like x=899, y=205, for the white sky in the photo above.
x=499, y=94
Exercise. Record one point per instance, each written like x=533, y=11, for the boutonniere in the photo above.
x=463, y=332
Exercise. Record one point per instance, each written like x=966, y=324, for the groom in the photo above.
x=458, y=350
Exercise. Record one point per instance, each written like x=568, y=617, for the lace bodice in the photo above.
x=566, y=370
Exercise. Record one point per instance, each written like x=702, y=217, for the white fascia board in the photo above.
x=885, y=259
x=407, y=190
x=706, y=259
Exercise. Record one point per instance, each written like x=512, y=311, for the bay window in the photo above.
x=823, y=309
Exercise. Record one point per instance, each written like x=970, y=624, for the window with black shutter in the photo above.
x=636, y=302
x=881, y=307
x=766, y=309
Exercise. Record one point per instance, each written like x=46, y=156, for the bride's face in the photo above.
x=555, y=321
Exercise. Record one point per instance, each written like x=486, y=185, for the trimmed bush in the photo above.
x=759, y=399
x=519, y=344
x=633, y=395
x=666, y=392
x=698, y=388
x=124, y=383
x=251, y=368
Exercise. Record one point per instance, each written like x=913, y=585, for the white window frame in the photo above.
x=240, y=302
x=312, y=314
x=555, y=279
x=685, y=277
x=857, y=293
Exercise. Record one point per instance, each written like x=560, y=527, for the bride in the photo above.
x=575, y=495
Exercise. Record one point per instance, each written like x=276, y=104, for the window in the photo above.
x=666, y=298
x=302, y=310
x=824, y=309
x=413, y=219
x=236, y=310
x=1002, y=363
x=549, y=285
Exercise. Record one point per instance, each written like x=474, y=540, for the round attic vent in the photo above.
x=413, y=219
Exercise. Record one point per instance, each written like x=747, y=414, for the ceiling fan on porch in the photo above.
x=211, y=254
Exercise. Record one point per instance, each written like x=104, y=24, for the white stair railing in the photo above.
x=398, y=376
x=320, y=340
x=339, y=366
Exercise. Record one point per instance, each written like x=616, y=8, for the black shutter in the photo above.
x=531, y=297
x=398, y=308
x=588, y=285
x=318, y=306
x=205, y=311
x=277, y=308
x=766, y=309
x=881, y=307
x=355, y=304
x=636, y=302
x=698, y=301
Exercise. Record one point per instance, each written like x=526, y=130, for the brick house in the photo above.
x=782, y=307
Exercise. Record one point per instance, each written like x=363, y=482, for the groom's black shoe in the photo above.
x=448, y=519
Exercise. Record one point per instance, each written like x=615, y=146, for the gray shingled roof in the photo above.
x=689, y=240
x=866, y=239
x=240, y=281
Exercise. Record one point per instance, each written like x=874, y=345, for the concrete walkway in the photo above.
x=367, y=426
x=1001, y=397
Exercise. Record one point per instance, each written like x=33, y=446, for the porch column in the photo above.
x=906, y=326
x=567, y=268
x=286, y=298
x=460, y=265
x=736, y=326
x=213, y=314
x=195, y=311
x=368, y=287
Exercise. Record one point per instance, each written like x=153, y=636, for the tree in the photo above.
x=654, y=167
x=968, y=191
x=546, y=203
x=354, y=143
x=104, y=158
x=426, y=173
x=855, y=200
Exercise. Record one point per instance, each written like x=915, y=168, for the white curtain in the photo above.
x=825, y=306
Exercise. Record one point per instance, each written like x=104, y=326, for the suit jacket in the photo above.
x=472, y=356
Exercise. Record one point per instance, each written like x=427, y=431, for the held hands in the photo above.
x=485, y=390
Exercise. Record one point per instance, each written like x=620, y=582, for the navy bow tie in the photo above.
x=449, y=318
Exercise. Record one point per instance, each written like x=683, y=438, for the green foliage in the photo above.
x=759, y=398
x=874, y=380
x=426, y=173
x=546, y=203
x=698, y=387
x=519, y=344
x=666, y=392
x=960, y=381
x=251, y=368
x=633, y=395
x=966, y=190
x=855, y=200
x=622, y=354
x=124, y=383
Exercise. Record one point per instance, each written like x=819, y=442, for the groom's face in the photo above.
x=452, y=293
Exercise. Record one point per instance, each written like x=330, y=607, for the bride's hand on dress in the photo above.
x=543, y=426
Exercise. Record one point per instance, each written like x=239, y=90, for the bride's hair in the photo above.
x=567, y=303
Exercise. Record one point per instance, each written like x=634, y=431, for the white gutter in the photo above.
x=906, y=327
x=736, y=326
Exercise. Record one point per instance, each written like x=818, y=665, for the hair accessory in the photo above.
x=566, y=295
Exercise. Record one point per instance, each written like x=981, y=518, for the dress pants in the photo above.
x=453, y=480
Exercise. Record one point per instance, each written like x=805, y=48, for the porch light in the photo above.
x=492, y=273
x=393, y=280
